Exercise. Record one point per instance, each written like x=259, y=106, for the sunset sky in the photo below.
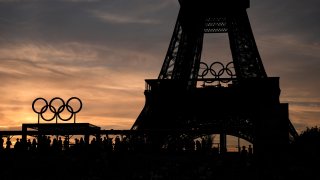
x=101, y=52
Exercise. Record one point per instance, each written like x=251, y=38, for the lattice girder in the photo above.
x=194, y=19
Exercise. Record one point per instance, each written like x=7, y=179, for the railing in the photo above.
x=200, y=83
x=215, y=75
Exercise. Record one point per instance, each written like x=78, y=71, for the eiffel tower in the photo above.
x=238, y=99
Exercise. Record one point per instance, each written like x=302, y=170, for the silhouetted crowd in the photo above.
x=117, y=157
x=134, y=157
x=116, y=144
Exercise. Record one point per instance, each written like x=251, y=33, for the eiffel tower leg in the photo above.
x=272, y=141
x=223, y=143
x=87, y=139
x=24, y=133
x=246, y=58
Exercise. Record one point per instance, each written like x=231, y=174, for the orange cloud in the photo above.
x=111, y=97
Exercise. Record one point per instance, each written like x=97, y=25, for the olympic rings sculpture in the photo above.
x=217, y=70
x=56, y=110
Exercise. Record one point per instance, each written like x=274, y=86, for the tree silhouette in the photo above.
x=306, y=154
x=309, y=139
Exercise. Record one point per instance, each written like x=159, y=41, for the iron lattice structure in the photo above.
x=246, y=106
x=194, y=20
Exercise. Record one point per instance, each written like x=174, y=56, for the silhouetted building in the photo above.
x=238, y=98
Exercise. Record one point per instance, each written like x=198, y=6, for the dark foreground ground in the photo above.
x=145, y=166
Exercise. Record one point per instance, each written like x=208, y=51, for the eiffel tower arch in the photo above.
x=236, y=99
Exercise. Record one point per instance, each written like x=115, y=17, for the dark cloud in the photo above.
x=298, y=18
x=116, y=23
x=287, y=36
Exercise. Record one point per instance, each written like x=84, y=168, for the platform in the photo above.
x=60, y=129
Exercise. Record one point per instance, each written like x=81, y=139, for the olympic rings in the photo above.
x=217, y=70
x=205, y=69
x=56, y=110
x=220, y=71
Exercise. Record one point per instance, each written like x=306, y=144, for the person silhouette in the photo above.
x=29, y=144
x=198, y=145
x=243, y=155
x=1, y=143
x=8, y=143
x=117, y=142
x=66, y=143
x=250, y=150
x=54, y=144
x=244, y=150
x=17, y=145
x=60, y=144
x=81, y=142
x=34, y=144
